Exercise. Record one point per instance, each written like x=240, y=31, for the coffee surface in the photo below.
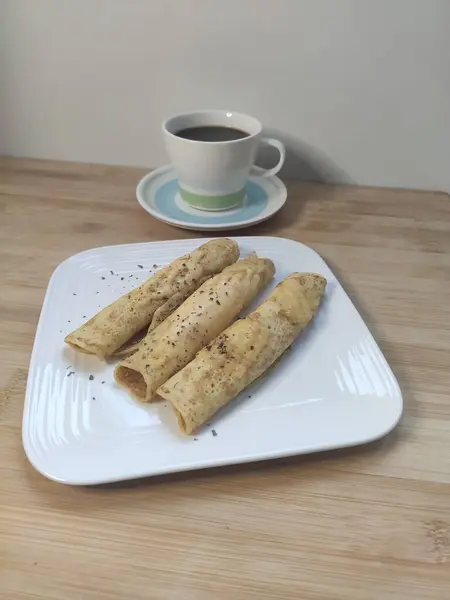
x=211, y=133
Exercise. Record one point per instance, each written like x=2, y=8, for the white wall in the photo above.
x=359, y=88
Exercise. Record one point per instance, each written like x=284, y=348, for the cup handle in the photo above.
x=281, y=149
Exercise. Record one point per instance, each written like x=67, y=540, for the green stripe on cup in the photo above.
x=212, y=202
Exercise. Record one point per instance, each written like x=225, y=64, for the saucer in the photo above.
x=158, y=194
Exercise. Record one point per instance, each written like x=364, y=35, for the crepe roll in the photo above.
x=243, y=352
x=113, y=326
x=159, y=316
x=206, y=313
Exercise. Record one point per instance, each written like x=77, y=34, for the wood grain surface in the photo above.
x=367, y=523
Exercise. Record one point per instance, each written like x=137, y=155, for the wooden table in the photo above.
x=368, y=523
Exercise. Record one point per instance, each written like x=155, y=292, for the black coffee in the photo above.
x=212, y=133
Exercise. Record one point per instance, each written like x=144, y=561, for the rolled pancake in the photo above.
x=159, y=316
x=244, y=351
x=109, y=329
x=206, y=313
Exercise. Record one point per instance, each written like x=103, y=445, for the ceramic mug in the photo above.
x=212, y=174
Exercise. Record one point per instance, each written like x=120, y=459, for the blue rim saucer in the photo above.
x=158, y=194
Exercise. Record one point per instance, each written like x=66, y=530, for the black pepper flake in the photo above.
x=214, y=432
x=91, y=377
x=252, y=347
x=249, y=396
x=217, y=302
x=103, y=277
x=93, y=397
x=140, y=266
x=83, y=317
x=68, y=367
x=155, y=266
x=103, y=382
x=112, y=272
x=96, y=292
x=201, y=291
x=122, y=278
x=70, y=373
x=195, y=439
x=221, y=347
x=73, y=294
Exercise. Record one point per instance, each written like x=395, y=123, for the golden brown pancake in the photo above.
x=244, y=351
x=113, y=326
x=206, y=313
x=159, y=316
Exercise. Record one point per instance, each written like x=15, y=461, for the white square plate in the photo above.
x=334, y=388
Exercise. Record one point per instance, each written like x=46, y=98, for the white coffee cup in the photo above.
x=212, y=174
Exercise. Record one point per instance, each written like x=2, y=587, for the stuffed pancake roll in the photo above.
x=244, y=351
x=206, y=313
x=112, y=327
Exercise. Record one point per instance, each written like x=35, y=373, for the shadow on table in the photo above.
x=303, y=161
